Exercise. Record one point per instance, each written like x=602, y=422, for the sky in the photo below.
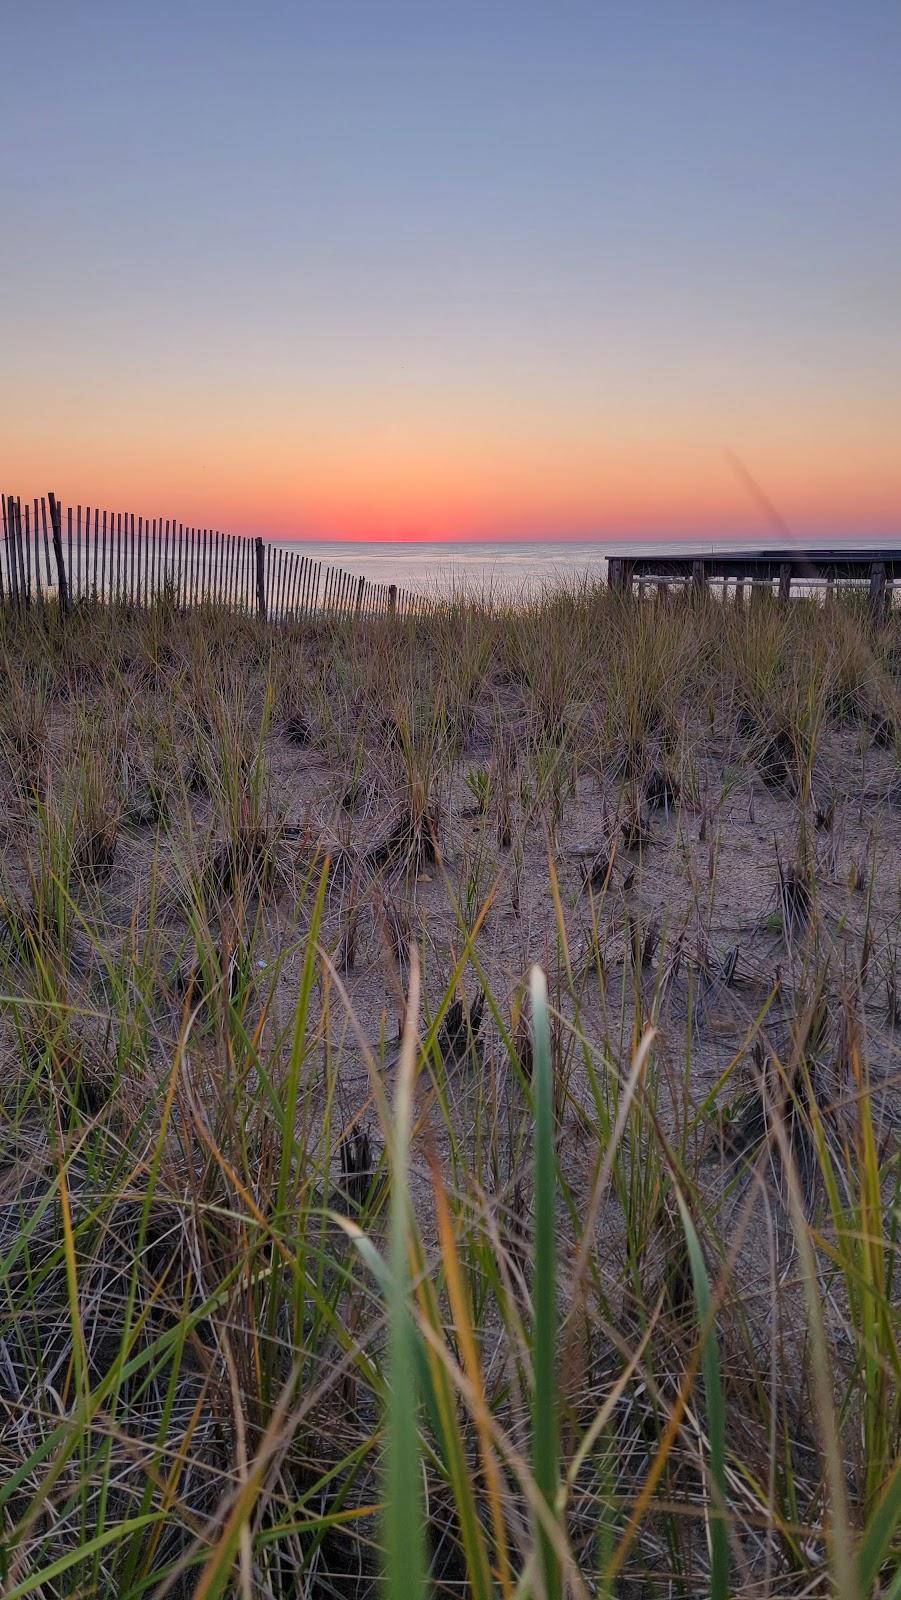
x=380, y=269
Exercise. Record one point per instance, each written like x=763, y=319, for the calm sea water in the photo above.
x=504, y=568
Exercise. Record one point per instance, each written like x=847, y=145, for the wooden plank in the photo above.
x=24, y=585
x=7, y=547
x=56, y=519
x=296, y=573
x=13, y=565
x=48, y=575
x=85, y=575
x=282, y=580
x=260, y=577
x=26, y=546
x=13, y=562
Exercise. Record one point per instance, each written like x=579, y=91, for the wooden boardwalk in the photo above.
x=782, y=570
x=82, y=554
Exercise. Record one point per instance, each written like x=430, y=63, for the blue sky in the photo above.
x=478, y=269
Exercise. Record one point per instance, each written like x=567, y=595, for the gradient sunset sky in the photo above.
x=384, y=269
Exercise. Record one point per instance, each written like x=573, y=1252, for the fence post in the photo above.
x=785, y=580
x=57, y=526
x=698, y=577
x=877, y=592
x=261, y=577
x=392, y=598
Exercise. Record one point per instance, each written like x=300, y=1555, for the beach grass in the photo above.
x=449, y=1111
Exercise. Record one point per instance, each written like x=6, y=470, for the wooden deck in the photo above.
x=875, y=566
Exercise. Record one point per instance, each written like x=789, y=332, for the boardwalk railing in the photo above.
x=781, y=572
x=85, y=554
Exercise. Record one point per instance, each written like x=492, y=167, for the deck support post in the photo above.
x=878, y=593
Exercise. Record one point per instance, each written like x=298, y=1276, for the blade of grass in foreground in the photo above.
x=403, y=1521
x=544, y=1405
x=716, y=1413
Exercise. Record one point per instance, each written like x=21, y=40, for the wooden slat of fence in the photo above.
x=296, y=573
x=24, y=551
x=12, y=548
x=282, y=580
x=12, y=553
x=229, y=568
x=38, y=586
x=27, y=548
x=48, y=576
x=85, y=586
x=7, y=514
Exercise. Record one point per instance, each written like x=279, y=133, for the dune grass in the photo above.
x=450, y=1103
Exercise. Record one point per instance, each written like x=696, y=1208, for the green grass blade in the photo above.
x=716, y=1409
x=405, y=1571
x=545, y=1446
x=882, y=1528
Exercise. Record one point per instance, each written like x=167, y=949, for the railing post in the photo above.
x=878, y=593
x=261, y=577
x=57, y=526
